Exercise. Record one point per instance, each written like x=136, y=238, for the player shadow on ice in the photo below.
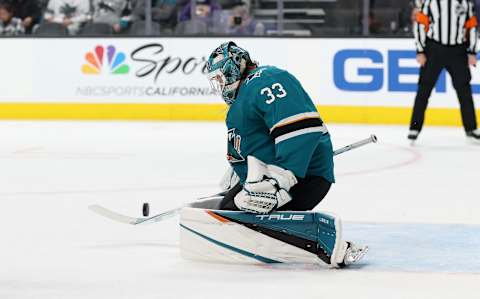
x=124, y=244
x=364, y=264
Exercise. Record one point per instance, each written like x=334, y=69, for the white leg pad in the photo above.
x=206, y=236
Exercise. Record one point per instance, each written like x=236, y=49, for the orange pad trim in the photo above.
x=218, y=217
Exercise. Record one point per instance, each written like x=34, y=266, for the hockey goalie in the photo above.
x=281, y=160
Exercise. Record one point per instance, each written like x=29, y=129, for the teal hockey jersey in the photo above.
x=274, y=119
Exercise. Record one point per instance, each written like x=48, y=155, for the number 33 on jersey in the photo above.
x=276, y=91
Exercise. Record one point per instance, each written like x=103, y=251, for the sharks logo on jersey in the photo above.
x=234, y=154
x=250, y=77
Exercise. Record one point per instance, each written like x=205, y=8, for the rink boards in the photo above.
x=351, y=80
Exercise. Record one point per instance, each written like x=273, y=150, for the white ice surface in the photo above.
x=51, y=246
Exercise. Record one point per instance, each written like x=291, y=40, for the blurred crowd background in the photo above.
x=207, y=17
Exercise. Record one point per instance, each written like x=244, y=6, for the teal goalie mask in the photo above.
x=226, y=67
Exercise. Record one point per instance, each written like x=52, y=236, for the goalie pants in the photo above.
x=306, y=194
x=455, y=60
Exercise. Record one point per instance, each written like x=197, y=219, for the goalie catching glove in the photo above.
x=266, y=187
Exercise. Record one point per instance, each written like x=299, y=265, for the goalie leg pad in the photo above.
x=239, y=237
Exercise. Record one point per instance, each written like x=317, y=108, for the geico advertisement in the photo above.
x=383, y=72
x=376, y=72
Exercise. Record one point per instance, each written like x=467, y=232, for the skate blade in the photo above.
x=473, y=141
x=361, y=255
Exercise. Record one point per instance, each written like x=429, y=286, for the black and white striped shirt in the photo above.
x=449, y=22
x=417, y=3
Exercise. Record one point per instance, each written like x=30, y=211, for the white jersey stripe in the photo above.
x=453, y=26
x=460, y=36
x=284, y=137
x=294, y=118
x=444, y=21
x=435, y=28
x=417, y=31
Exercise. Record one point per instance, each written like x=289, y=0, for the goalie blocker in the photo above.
x=212, y=235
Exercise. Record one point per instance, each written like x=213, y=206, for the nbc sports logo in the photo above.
x=96, y=59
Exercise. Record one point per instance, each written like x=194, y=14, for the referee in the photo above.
x=445, y=37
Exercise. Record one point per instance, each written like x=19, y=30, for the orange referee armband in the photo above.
x=471, y=23
x=423, y=19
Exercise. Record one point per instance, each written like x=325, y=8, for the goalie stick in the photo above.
x=371, y=139
x=102, y=211
x=132, y=220
x=98, y=209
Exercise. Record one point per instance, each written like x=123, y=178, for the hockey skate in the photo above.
x=353, y=254
x=474, y=136
x=412, y=136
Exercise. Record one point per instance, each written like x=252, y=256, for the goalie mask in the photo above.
x=226, y=67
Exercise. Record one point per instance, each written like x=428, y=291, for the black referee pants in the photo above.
x=455, y=60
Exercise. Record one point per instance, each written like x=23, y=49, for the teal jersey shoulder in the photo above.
x=275, y=120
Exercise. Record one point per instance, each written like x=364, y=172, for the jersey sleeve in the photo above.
x=292, y=119
x=471, y=26
x=421, y=26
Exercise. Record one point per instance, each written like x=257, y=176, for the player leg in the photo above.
x=461, y=76
x=227, y=202
x=307, y=194
x=280, y=237
x=428, y=77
